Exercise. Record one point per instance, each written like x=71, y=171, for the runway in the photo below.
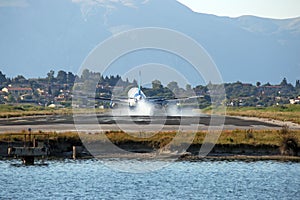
x=99, y=123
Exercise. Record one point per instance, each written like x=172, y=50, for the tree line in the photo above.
x=237, y=93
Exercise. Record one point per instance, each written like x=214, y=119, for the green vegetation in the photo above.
x=233, y=137
x=288, y=142
x=19, y=110
x=22, y=110
x=20, y=107
x=283, y=113
x=261, y=143
x=57, y=89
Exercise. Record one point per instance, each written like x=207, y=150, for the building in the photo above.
x=295, y=101
x=17, y=91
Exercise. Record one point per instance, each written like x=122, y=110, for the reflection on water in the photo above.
x=89, y=179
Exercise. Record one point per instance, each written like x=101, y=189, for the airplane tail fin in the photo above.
x=139, y=83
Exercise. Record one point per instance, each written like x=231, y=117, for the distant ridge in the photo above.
x=58, y=34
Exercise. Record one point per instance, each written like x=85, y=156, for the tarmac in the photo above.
x=103, y=122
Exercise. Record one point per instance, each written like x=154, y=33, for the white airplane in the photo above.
x=135, y=96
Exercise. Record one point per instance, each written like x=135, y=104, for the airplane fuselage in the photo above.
x=134, y=96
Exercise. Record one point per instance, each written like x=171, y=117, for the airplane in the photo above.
x=136, y=96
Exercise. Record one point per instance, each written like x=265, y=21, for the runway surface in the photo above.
x=89, y=123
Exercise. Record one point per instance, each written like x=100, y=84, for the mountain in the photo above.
x=37, y=36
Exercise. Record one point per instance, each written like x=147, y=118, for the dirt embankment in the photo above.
x=63, y=149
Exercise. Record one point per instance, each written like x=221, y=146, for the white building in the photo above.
x=17, y=91
x=295, y=101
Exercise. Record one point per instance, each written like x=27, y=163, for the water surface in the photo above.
x=90, y=179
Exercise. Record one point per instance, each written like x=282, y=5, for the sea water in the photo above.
x=91, y=179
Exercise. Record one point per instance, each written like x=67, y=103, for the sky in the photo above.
x=277, y=9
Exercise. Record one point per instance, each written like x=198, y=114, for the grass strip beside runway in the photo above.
x=228, y=137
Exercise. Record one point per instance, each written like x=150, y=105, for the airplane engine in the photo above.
x=113, y=105
x=132, y=103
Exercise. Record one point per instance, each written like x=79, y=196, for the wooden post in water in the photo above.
x=28, y=160
x=34, y=142
x=74, y=152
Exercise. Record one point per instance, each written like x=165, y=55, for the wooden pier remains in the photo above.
x=33, y=145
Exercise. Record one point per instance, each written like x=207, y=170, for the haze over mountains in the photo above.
x=37, y=36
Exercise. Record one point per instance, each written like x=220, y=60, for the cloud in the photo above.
x=14, y=3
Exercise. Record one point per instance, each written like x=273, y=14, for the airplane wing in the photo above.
x=113, y=102
x=112, y=99
x=164, y=101
x=117, y=99
x=174, y=99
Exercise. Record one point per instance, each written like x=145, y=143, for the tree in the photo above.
x=85, y=74
x=50, y=76
x=2, y=78
x=156, y=84
x=189, y=90
x=71, y=78
x=134, y=83
x=11, y=99
x=173, y=86
x=284, y=82
x=297, y=86
x=49, y=90
x=89, y=86
x=20, y=79
x=34, y=84
x=201, y=90
x=258, y=84
x=188, y=87
x=62, y=77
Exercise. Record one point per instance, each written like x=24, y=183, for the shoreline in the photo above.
x=242, y=158
x=182, y=158
x=144, y=151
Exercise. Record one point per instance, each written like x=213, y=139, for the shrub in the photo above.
x=289, y=142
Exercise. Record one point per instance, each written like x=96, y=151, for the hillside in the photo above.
x=43, y=35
